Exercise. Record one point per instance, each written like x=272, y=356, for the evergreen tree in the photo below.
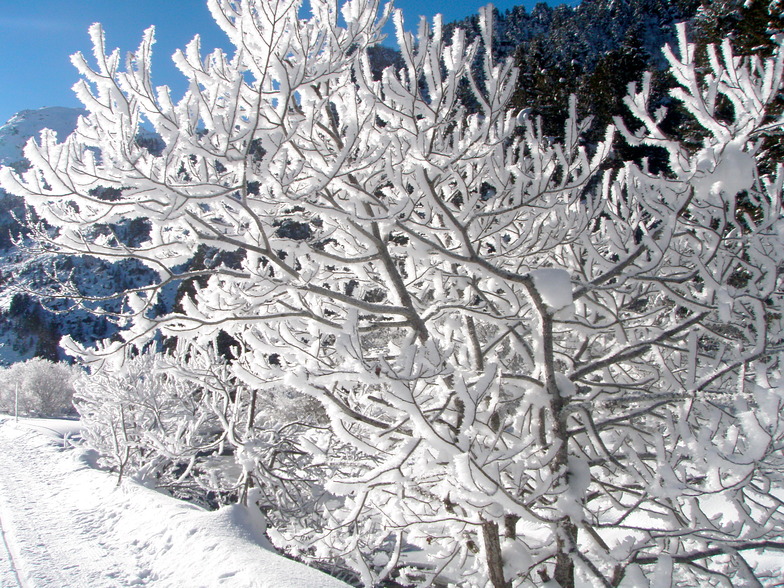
x=750, y=25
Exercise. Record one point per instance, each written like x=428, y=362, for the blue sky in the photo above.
x=38, y=36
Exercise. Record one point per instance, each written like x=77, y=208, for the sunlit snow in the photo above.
x=65, y=523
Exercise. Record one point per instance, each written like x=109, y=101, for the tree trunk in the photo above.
x=566, y=531
x=248, y=482
x=493, y=558
x=564, y=563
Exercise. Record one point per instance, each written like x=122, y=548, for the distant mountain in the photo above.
x=592, y=50
x=29, y=326
x=14, y=134
x=589, y=30
x=29, y=123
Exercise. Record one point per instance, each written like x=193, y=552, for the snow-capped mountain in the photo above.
x=29, y=123
x=14, y=134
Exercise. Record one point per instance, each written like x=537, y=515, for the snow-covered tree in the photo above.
x=38, y=387
x=534, y=370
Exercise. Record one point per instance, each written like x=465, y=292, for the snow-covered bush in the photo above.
x=185, y=424
x=44, y=388
x=533, y=367
x=143, y=420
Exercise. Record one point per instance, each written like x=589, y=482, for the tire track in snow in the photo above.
x=55, y=534
x=9, y=574
x=12, y=570
x=30, y=517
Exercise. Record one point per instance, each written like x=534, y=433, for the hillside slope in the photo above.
x=30, y=326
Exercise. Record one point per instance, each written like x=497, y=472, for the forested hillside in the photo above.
x=32, y=323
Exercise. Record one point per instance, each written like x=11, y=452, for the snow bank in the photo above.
x=183, y=545
x=70, y=525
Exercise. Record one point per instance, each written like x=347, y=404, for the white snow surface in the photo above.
x=65, y=523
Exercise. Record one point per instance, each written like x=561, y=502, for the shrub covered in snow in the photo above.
x=44, y=388
x=187, y=425
x=143, y=420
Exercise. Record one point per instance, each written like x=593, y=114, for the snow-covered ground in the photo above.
x=65, y=523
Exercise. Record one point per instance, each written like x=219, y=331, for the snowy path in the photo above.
x=66, y=524
x=53, y=534
x=9, y=577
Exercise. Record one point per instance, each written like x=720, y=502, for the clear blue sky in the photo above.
x=38, y=36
